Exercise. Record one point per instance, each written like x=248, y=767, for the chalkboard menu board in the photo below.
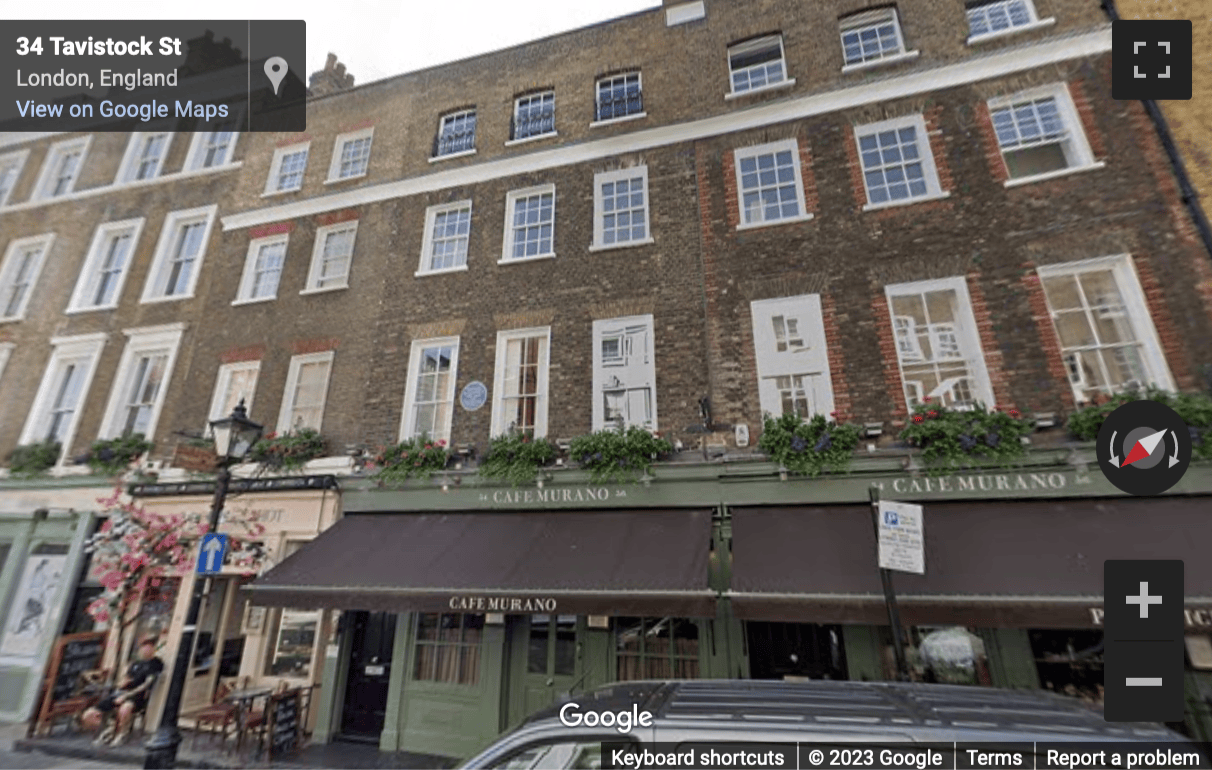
x=75, y=655
x=284, y=727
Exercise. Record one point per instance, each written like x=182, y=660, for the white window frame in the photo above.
x=934, y=189
x=14, y=163
x=6, y=350
x=407, y=419
x=772, y=148
x=1034, y=22
x=452, y=116
x=601, y=370
x=874, y=18
x=83, y=350
x=517, y=106
x=133, y=158
x=338, y=147
x=87, y=283
x=1078, y=153
x=154, y=288
x=54, y=156
x=812, y=359
x=197, y=148
x=275, y=168
x=510, y=201
x=597, y=98
x=969, y=336
x=431, y=219
x=317, y=257
x=500, y=423
x=149, y=340
x=1128, y=282
x=752, y=45
x=286, y=409
x=9, y=268
x=599, y=212
x=248, y=280
x=223, y=383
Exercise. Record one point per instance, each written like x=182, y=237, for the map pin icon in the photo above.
x=275, y=70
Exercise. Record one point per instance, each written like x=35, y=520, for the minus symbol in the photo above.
x=1144, y=681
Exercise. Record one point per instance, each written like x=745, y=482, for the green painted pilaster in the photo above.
x=389, y=739
x=597, y=660
x=491, y=709
x=1011, y=663
x=729, y=653
x=1198, y=685
x=332, y=688
x=863, y=658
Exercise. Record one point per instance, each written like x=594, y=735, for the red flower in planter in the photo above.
x=1014, y=413
x=932, y=413
x=918, y=418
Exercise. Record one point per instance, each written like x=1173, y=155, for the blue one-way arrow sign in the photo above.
x=210, y=555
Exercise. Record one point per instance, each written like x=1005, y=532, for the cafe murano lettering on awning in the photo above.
x=1194, y=618
x=503, y=604
x=983, y=482
x=556, y=495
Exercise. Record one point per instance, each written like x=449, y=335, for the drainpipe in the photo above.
x=1189, y=195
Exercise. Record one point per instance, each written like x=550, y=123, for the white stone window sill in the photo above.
x=324, y=289
x=978, y=39
x=70, y=470
x=34, y=203
x=762, y=89
x=516, y=260
x=272, y=193
x=11, y=319
x=453, y=155
x=623, y=245
x=329, y=465
x=887, y=60
x=90, y=309
x=253, y=300
x=345, y=178
x=529, y=139
x=624, y=119
x=775, y=222
x=442, y=271
x=1053, y=174
x=906, y=202
x=170, y=298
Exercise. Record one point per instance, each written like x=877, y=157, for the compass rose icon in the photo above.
x=1144, y=448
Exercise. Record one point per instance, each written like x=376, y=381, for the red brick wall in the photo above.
x=994, y=359
x=1049, y=342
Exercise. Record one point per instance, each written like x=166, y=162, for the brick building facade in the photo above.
x=680, y=219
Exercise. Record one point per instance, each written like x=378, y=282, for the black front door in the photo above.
x=374, y=633
x=781, y=650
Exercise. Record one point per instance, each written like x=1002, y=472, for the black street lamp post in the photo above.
x=234, y=436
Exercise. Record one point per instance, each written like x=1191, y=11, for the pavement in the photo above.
x=65, y=749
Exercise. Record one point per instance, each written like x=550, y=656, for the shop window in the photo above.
x=553, y=645
x=942, y=655
x=793, y=651
x=293, y=639
x=1070, y=662
x=657, y=648
x=448, y=648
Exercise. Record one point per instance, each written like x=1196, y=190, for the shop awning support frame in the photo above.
x=894, y=615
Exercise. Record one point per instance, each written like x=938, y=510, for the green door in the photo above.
x=543, y=662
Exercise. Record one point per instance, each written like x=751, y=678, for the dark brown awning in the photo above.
x=636, y=562
x=992, y=564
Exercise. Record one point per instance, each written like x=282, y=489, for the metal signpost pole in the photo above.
x=162, y=748
x=894, y=616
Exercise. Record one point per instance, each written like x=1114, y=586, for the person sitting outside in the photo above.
x=129, y=699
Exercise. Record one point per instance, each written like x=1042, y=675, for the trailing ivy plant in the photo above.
x=33, y=459
x=110, y=457
x=288, y=451
x=1194, y=408
x=615, y=456
x=516, y=458
x=414, y=458
x=951, y=439
x=808, y=447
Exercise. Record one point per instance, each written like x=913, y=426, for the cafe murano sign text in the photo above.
x=556, y=495
x=984, y=482
x=503, y=603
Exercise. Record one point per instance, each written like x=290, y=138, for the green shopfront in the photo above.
x=464, y=610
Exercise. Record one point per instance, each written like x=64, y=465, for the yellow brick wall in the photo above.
x=1191, y=121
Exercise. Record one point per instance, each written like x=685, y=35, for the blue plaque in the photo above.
x=474, y=396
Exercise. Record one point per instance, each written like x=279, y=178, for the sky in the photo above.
x=373, y=38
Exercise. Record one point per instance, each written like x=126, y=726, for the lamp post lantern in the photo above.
x=234, y=436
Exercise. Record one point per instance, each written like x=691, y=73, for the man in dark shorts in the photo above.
x=129, y=699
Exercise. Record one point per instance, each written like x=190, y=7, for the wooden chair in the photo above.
x=256, y=719
x=219, y=718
